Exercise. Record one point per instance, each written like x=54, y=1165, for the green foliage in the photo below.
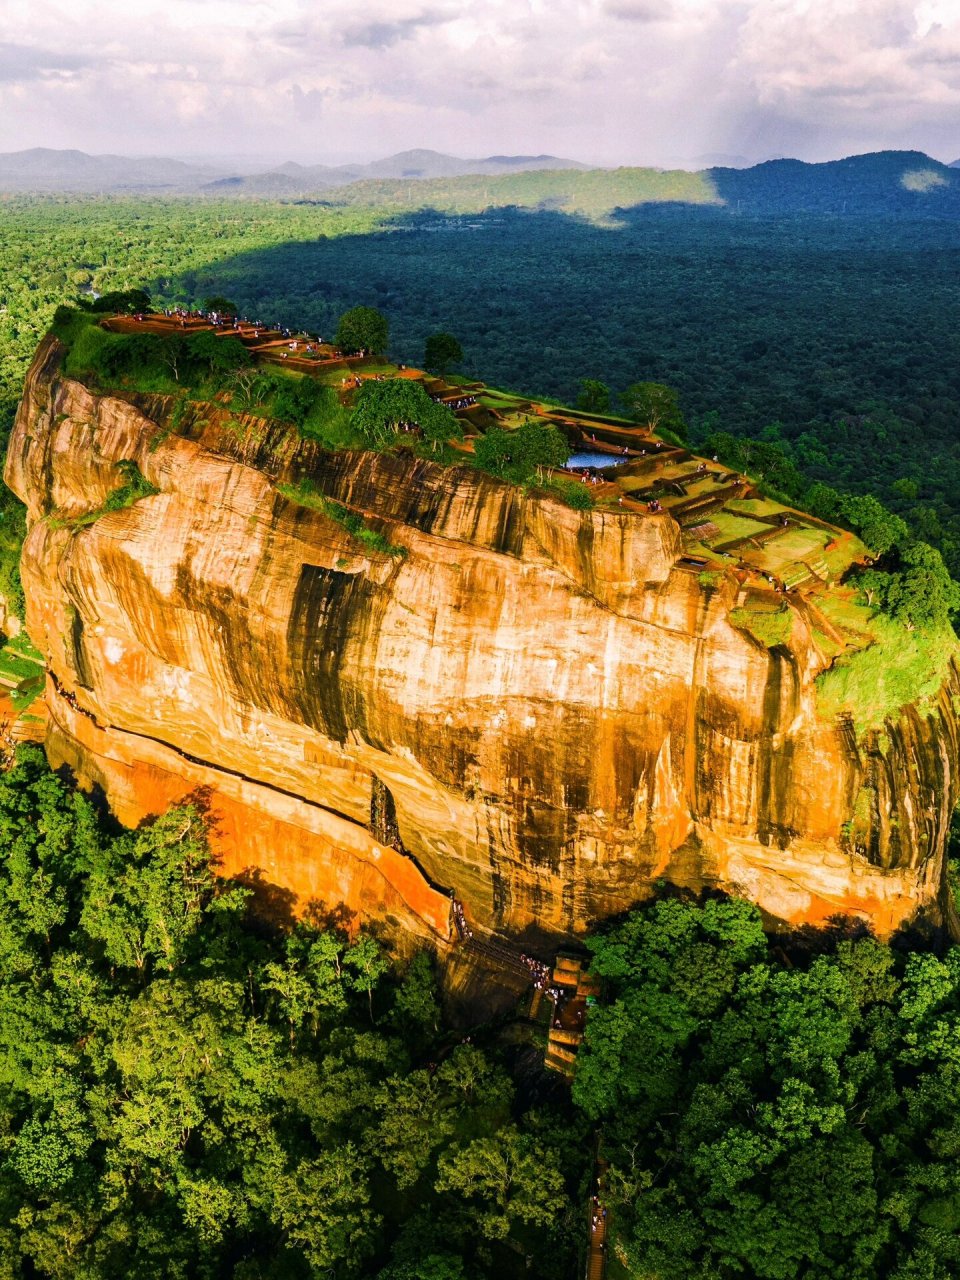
x=900, y=666
x=146, y=894
x=383, y=407
x=311, y=406
x=23, y=670
x=953, y=859
x=905, y=488
x=146, y=361
x=877, y=527
x=215, y=354
x=520, y=454
x=186, y=1092
x=307, y=495
x=363, y=329
x=593, y=396
x=121, y=300
x=918, y=592
x=572, y=492
x=771, y=627
x=506, y=1180
x=134, y=487
x=756, y=1104
x=223, y=306
x=416, y=1009
x=441, y=351
x=13, y=530
x=762, y=460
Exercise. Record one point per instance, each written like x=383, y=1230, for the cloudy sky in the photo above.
x=610, y=81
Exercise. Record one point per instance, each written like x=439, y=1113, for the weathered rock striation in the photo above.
x=547, y=708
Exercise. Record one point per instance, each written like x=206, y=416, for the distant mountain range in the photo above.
x=882, y=184
x=41, y=169
x=879, y=184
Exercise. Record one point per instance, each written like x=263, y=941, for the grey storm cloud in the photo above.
x=382, y=35
x=636, y=10
x=19, y=62
x=309, y=104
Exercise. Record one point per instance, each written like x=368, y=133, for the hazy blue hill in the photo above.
x=882, y=183
x=278, y=184
x=433, y=164
x=405, y=166
x=45, y=169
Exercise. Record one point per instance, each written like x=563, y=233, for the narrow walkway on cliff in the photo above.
x=496, y=949
x=597, y=1249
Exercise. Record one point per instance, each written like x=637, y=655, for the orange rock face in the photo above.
x=548, y=710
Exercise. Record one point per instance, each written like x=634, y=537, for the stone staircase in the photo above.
x=578, y=990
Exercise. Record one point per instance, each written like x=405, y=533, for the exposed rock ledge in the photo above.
x=560, y=714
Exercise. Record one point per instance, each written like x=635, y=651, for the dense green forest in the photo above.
x=188, y=1091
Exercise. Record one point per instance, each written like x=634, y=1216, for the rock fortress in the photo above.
x=517, y=719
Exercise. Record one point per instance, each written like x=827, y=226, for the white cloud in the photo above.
x=629, y=81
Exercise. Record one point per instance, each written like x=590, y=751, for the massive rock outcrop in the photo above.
x=538, y=709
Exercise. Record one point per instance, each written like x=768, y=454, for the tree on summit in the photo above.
x=593, y=396
x=440, y=351
x=520, y=454
x=382, y=408
x=879, y=528
x=919, y=593
x=121, y=300
x=223, y=306
x=657, y=406
x=218, y=354
x=363, y=329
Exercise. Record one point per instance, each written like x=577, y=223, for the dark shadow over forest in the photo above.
x=833, y=336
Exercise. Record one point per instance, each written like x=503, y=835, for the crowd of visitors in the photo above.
x=460, y=920
x=539, y=971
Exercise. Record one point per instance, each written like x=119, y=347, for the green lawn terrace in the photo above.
x=727, y=524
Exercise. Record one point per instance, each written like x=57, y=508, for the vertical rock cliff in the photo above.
x=541, y=710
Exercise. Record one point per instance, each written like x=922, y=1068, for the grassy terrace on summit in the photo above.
x=734, y=533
